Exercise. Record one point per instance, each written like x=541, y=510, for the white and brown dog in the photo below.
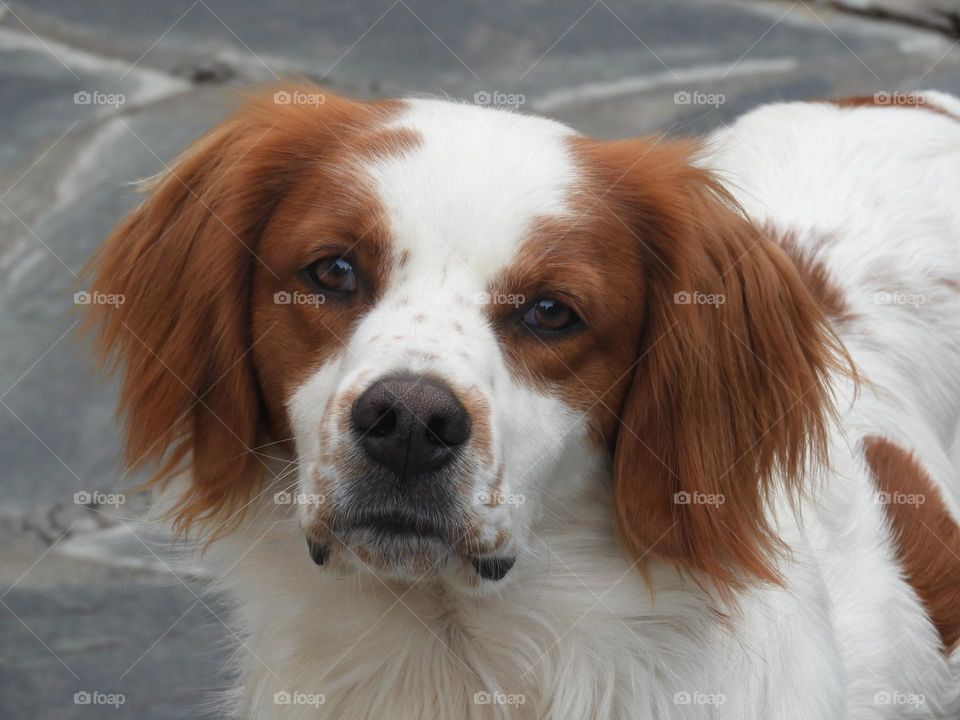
x=573, y=428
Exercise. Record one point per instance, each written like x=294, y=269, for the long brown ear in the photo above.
x=730, y=396
x=182, y=264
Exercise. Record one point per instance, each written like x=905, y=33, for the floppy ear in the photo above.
x=182, y=264
x=730, y=396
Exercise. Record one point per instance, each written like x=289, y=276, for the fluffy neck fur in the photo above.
x=573, y=631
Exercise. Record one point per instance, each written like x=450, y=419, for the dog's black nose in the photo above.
x=411, y=424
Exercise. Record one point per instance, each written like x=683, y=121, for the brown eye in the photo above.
x=550, y=316
x=334, y=274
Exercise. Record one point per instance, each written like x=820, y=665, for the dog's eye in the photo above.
x=334, y=274
x=550, y=315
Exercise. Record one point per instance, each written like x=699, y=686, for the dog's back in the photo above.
x=863, y=198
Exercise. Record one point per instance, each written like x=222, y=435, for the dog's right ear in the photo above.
x=180, y=268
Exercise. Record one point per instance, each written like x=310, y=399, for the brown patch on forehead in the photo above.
x=591, y=262
x=329, y=211
x=813, y=272
x=925, y=535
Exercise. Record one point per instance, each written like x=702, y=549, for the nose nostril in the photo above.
x=447, y=430
x=436, y=431
x=383, y=425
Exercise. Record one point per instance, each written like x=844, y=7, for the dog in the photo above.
x=477, y=417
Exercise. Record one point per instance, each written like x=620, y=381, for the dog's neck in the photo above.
x=379, y=648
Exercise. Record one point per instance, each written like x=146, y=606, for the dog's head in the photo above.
x=449, y=316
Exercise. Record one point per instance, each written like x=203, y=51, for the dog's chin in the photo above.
x=406, y=560
x=401, y=557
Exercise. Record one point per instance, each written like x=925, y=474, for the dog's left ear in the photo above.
x=730, y=397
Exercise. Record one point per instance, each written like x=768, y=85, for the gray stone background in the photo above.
x=85, y=603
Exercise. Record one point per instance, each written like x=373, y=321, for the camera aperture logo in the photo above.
x=95, y=697
x=895, y=697
x=284, y=97
x=900, y=498
x=512, y=299
x=698, y=698
x=900, y=298
x=901, y=99
x=496, y=497
x=98, y=298
x=698, y=498
x=498, y=698
x=284, y=697
x=282, y=297
x=287, y=497
x=97, y=498
x=695, y=97
x=495, y=98
x=95, y=97
x=698, y=298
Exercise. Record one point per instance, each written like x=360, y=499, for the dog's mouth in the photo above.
x=390, y=526
x=403, y=545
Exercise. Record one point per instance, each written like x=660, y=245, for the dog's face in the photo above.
x=455, y=338
x=453, y=317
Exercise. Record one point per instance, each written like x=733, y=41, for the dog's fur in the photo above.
x=727, y=493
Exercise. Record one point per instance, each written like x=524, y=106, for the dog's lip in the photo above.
x=396, y=524
x=493, y=568
x=318, y=551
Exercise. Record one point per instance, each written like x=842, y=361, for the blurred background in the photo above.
x=98, y=94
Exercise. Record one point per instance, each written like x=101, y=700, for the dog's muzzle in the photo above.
x=411, y=430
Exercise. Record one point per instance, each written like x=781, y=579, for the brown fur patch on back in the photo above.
x=926, y=536
x=903, y=100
